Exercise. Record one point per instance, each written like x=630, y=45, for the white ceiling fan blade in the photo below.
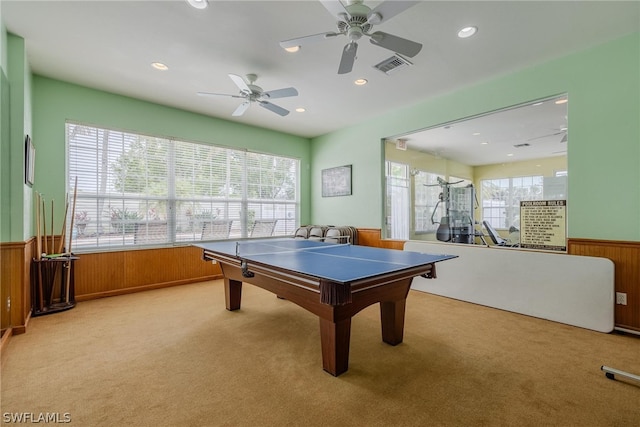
x=241, y=109
x=388, y=9
x=219, y=94
x=273, y=107
x=395, y=43
x=314, y=38
x=348, y=58
x=239, y=81
x=280, y=93
x=335, y=8
x=546, y=136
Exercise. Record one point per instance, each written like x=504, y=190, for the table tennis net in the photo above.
x=248, y=248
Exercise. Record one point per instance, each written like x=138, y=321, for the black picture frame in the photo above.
x=336, y=181
x=29, y=161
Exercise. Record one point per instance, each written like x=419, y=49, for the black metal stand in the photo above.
x=46, y=274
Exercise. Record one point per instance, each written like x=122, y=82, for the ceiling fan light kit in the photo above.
x=356, y=20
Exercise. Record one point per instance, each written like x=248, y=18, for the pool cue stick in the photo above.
x=53, y=272
x=39, y=250
x=45, y=238
x=73, y=214
x=38, y=243
x=44, y=229
x=52, y=241
x=63, y=233
x=63, y=236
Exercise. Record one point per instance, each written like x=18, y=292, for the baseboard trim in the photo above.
x=627, y=331
x=4, y=342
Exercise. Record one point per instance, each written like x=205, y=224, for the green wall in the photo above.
x=604, y=151
x=15, y=195
x=3, y=42
x=5, y=164
x=603, y=84
x=5, y=135
x=56, y=101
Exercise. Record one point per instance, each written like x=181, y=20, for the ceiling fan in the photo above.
x=252, y=93
x=561, y=131
x=356, y=20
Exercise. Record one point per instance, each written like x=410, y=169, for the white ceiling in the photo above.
x=109, y=45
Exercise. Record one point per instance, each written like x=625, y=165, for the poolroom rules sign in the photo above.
x=543, y=224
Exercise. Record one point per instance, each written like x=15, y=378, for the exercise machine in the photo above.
x=457, y=224
x=499, y=241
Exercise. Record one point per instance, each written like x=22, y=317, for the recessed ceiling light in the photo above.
x=475, y=133
x=562, y=101
x=198, y=4
x=292, y=49
x=484, y=143
x=537, y=103
x=467, y=32
x=300, y=110
x=159, y=66
x=510, y=155
x=361, y=82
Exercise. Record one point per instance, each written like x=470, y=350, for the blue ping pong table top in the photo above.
x=341, y=263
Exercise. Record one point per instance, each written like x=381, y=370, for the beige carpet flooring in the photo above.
x=176, y=357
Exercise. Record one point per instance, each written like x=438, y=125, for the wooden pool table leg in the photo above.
x=392, y=319
x=232, y=293
x=334, y=339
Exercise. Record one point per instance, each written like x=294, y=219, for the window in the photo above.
x=140, y=190
x=426, y=195
x=501, y=198
x=397, y=208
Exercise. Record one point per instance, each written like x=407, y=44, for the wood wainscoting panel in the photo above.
x=15, y=279
x=177, y=264
x=113, y=273
x=626, y=257
x=372, y=237
x=98, y=274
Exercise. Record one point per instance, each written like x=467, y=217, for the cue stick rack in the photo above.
x=52, y=272
x=53, y=289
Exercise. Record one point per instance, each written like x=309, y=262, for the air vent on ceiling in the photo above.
x=524, y=144
x=392, y=64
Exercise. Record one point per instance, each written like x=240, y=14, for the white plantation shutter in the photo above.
x=426, y=195
x=397, y=176
x=143, y=190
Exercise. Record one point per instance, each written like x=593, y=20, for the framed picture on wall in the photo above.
x=29, y=161
x=336, y=181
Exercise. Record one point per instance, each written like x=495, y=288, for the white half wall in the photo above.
x=570, y=289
